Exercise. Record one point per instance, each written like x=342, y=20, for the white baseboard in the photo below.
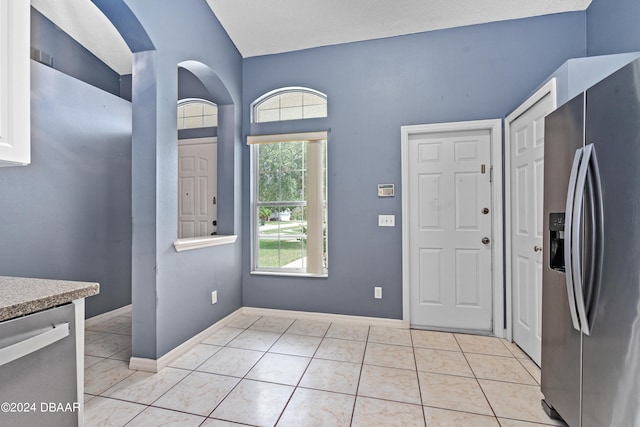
x=151, y=365
x=92, y=321
x=155, y=365
x=327, y=317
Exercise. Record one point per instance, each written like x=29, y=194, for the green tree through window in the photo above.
x=283, y=232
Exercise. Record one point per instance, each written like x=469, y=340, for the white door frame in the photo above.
x=494, y=126
x=548, y=88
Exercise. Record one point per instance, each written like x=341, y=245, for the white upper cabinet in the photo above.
x=15, y=128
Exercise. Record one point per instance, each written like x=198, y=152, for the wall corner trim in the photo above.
x=156, y=365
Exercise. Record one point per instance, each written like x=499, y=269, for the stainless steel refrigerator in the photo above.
x=591, y=267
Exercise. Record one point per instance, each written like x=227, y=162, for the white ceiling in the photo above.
x=83, y=21
x=263, y=27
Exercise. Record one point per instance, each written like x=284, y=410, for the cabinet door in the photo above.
x=15, y=130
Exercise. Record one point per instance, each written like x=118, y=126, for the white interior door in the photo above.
x=197, y=204
x=526, y=174
x=449, y=212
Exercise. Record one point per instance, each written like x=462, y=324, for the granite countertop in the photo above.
x=20, y=296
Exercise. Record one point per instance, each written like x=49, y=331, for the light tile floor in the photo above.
x=265, y=371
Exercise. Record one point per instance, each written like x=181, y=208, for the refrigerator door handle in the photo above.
x=568, y=238
x=597, y=240
x=576, y=236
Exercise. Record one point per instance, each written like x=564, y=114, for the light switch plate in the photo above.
x=386, y=220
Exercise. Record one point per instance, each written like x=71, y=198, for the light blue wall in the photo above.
x=613, y=26
x=68, y=214
x=69, y=56
x=373, y=88
x=172, y=291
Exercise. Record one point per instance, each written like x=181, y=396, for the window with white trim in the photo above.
x=196, y=113
x=290, y=203
x=290, y=104
x=289, y=188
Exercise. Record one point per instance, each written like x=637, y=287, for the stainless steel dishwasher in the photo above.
x=38, y=377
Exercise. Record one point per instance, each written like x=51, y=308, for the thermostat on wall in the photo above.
x=386, y=190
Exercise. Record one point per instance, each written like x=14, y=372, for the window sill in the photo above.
x=288, y=274
x=203, y=242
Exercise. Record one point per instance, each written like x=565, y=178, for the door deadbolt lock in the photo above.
x=485, y=240
x=537, y=248
x=485, y=211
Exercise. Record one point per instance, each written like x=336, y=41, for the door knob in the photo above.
x=485, y=240
x=537, y=248
x=485, y=211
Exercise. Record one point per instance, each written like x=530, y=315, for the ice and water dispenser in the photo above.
x=556, y=241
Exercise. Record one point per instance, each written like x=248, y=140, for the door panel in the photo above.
x=187, y=187
x=430, y=275
x=522, y=201
x=467, y=207
x=523, y=275
x=468, y=285
x=527, y=177
x=450, y=266
x=429, y=195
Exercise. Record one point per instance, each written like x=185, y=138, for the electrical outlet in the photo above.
x=386, y=220
x=214, y=297
x=377, y=292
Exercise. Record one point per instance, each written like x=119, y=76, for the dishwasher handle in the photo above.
x=31, y=345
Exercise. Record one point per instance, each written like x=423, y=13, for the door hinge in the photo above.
x=214, y=200
x=491, y=174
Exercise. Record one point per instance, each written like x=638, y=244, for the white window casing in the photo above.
x=315, y=193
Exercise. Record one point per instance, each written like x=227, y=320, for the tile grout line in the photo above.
x=355, y=400
x=415, y=360
x=295, y=388
x=477, y=382
x=244, y=376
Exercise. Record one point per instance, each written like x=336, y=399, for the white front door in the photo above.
x=526, y=174
x=197, y=204
x=450, y=217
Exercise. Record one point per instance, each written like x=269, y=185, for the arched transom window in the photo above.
x=289, y=183
x=197, y=113
x=289, y=104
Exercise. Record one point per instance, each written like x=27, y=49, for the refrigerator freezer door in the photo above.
x=561, y=343
x=611, y=358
